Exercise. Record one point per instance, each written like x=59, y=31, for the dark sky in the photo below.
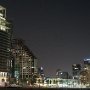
x=57, y=31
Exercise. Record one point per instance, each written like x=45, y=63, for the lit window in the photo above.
x=3, y=28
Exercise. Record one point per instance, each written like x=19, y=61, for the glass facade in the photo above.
x=5, y=46
x=5, y=41
x=25, y=64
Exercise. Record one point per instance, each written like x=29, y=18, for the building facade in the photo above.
x=5, y=44
x=85, y=74
x=61, y=74
x=62, y=83
x=76, y=69
x=25, y=63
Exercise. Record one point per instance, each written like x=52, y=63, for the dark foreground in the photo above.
x=20, y=88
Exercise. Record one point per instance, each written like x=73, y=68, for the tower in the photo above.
x=5, y=44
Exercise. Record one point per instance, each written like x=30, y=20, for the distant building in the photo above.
x=87, y=63
x=62, y=75
x=85, y=74
x=41, y=76
x=84, y=77
x=62, y=83
x=25, y=64
x=41, y=71
x=76, y=69
x=5, y=45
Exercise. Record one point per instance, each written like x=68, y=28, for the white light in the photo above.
x=41, y=68
x=86, y=59
x=1, y=14
x=76, y=68
x=32, y=67
x=24, y=67
x=2, y=18
x=2, y=28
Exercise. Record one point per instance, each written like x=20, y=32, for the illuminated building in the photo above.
x=76, y=69
x=62, y=83
x=85, y=74
x=41, y=72
x=41, y=76
x=25, y=61
x=84, y=77
x=87, y=64
x=61, y=74
x=5, y=44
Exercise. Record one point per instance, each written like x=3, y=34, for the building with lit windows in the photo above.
x=41, y=72
x=85, y=74
x=25, y=64
x=76, y=69
x=5, y=44
x=87, y=63
x=62, y=83
x=41, y=76
x=62, y=74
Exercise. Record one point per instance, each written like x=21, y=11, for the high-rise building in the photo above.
x=85, y=74
x=5, y=44
x=76, y=69
x=87, y=63
x=25, y=64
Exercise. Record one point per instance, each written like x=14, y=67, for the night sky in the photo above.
x=57, y=31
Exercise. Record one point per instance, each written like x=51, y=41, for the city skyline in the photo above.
x=56, y=31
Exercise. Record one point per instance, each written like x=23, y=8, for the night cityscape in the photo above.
x=45, y=44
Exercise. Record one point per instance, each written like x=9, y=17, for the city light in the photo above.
x=19, y=66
